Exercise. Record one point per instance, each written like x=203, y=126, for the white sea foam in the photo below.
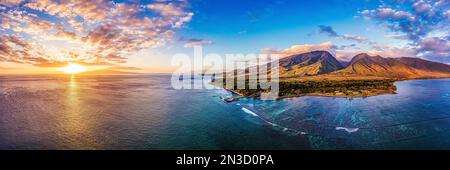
x=273, y=124
x=249, y=111
x=270, y=123
x=349, y=130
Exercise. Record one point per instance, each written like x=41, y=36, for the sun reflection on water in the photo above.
x=76, y=118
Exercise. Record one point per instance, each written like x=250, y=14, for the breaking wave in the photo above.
x=249, y=112
x=349, y=130
x=284, y=129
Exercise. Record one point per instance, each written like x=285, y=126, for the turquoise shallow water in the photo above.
x=418, y=117
x=144, y=112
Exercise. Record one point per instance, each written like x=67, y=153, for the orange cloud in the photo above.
x=88, y=31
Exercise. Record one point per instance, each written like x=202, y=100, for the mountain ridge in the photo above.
x=395, y=68
x=322, y=64
x=311, y=63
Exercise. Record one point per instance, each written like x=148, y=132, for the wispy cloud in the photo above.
x=328, y=30
x=125, y=68
x=397, y=37
x=190, y=43
x=354, y=37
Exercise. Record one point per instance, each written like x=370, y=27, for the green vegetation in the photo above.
x=337, y=88
x=343, y=88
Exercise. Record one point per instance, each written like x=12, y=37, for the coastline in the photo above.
x=348, y=94
x=231, y=99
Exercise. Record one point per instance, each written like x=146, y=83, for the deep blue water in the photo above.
x=144, y=112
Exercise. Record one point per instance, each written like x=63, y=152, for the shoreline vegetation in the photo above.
x=326, y=88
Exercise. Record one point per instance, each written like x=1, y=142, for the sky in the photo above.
x=40, y=36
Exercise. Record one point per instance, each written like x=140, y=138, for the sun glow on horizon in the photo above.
x=73, y=69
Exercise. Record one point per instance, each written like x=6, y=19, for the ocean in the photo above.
x=145, y=112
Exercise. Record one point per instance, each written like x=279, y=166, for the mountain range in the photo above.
x=318, y=73
x=323, y=64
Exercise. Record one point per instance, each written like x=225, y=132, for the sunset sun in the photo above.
x=73, y=69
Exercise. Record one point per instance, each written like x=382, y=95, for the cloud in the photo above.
x=88, y=31
x=55, y=64
x=167, y=9
x=190, y=43
x=6, y=68
x=397, y=37
x=270, y=51
x=393, y=52
x=344, y=47
x=422, y=7
x=425, y=23
x=397, y=20
x=172, y=11
x=434, y=47
x=125, y=68
x=14, y=49
x=298, y=49
x=9, y=3
x=343, y=52
x=435, y=44
x=332, y=33
x=354, y=37
x=328, y=30
x=447, y=13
